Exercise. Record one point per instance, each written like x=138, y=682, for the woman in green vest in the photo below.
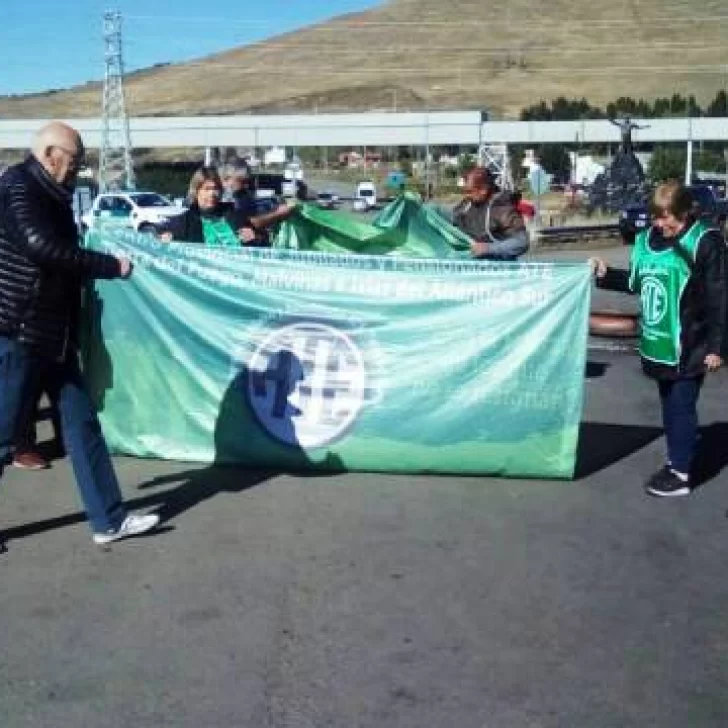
x=678, y=269
x=208, y=219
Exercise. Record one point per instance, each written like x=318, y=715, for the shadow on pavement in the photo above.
x=712, y=455
x=198, y=485
x=596, y=369
x=602, y=445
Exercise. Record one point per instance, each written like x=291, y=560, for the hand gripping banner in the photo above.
x=297, y=360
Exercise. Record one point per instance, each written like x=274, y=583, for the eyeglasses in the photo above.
x=77, y=157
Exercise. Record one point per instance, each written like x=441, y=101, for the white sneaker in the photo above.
x=132, y=525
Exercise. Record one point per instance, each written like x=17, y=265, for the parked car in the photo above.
x=633, y=219
x=368, y=192
x=327, y=200
x=708, y=207
x=142, y=211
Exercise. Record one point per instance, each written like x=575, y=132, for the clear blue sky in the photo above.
x=58, y=43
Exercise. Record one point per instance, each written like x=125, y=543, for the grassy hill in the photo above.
x=501, y=55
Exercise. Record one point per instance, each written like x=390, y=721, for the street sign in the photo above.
x=539, y=180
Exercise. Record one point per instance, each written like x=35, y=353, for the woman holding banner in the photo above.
x=208, y=219
x=678, y=268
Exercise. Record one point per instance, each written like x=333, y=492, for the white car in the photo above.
x=368, y=192
x=142, y=211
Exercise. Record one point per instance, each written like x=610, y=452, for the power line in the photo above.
x=335, y=24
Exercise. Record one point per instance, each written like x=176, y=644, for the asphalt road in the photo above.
x=282, y=601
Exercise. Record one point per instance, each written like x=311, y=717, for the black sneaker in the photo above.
x=658, y=477
x=668, y=486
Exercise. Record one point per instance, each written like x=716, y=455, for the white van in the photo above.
x=367, y=192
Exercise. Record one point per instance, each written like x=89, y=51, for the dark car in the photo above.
x=633, y=219
x=708, y=207
x=327, y=200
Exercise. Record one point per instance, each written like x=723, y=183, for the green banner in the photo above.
x=291, y=359
x=405, y=228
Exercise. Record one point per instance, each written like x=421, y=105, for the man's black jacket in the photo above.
x=42, y=266
x=702, y=307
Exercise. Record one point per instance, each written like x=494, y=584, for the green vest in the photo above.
x=217, y=232
x=660, y=277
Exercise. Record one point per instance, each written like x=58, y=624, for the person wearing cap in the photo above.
x=238, y=183
x=490, y=217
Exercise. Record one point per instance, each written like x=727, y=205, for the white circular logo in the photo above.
x=654, y=300
x=306, y=384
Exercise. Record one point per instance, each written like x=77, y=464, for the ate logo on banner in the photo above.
x=306, y=384
x=654, y=300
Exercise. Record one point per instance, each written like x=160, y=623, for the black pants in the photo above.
x=679, y=399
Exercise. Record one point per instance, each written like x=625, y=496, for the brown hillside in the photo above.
x=429, y=54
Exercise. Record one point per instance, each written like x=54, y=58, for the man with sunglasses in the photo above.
x=42, y=268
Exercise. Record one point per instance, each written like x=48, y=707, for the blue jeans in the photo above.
x=22, y=373
x=679, y=399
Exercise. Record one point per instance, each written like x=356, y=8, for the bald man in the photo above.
x=42, y=268
x=490, y=218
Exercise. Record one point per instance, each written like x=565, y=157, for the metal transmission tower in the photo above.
x=115, y=165
x=495, y=158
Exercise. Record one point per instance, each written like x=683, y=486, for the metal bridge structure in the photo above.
x=456, y=128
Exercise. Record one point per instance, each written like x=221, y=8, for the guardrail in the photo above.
x=566, y=235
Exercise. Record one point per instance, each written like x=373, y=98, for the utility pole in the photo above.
x=115, y=163
x=689, y=157
x=427, y=155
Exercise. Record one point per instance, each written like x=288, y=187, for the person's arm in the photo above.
x=174, y=228
x=615, y=279
x=513, y=237
x=260, y=222
x=710, y=268
x=40, y=242
x=510, y=247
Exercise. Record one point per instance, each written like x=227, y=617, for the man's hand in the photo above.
x=246, y=234
x=598, y=267
x=713, y=362
x=478, y=249
x=166, y=237
x=125, y=267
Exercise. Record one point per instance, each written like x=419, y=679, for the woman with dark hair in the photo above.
x=678, y=270
x=208, y=219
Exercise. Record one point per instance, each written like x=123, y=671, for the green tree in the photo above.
x=555, y=160
x=661, y=107
x=466, y=162
x=708, y=160
x=667, y=162
x=562, y=109
x=718, y=106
